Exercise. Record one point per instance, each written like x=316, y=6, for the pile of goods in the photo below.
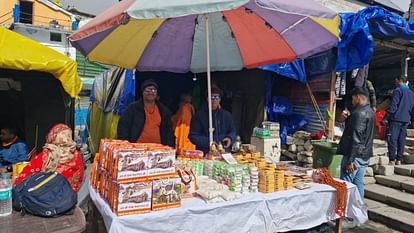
x=136, y=177
x=300, y=148
x=271, y=179
x=140, y=177
x=238, y=178
x=213, y=192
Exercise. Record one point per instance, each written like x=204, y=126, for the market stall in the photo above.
x=141, y=187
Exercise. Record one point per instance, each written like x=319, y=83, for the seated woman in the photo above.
x=58, y=155
x=12, y=149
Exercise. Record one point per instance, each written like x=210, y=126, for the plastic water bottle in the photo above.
x=5, y=195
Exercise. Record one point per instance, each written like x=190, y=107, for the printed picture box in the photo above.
x=130, y=164
x=161, y=162
x=131, y=198
x=188, y=181
x=110, y=154
x=166, y=193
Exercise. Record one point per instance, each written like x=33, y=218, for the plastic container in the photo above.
x=324, y=155
x=261, y=133
x=5, y=195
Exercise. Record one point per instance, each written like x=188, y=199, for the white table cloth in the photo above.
x=254, y=212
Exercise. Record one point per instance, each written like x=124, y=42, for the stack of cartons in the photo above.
x=123, y=174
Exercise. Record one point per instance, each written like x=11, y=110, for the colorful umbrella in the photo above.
x=207, y=35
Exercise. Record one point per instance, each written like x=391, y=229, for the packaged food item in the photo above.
x=161, y=161
x=131, y=198
x=130, y=164
x=193, y=154
x=188, y=181
x=166, y=193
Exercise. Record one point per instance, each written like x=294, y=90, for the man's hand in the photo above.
x=374, y=109
x=226, y=142
x=3, y=170
x=350, y=168
x=384, y=122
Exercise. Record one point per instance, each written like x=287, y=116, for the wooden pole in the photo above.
x=332, y=107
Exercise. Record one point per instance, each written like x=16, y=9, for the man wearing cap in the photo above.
x=224, y=130
x=399, y=115
x=357, y=140
x=147, y=120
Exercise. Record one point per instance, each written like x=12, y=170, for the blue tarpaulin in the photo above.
x=294, y=70
x=356, y=47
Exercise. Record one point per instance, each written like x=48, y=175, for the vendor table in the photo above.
x=16, y=223
x=254, y=212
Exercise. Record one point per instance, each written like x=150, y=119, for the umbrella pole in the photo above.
x=210, y=113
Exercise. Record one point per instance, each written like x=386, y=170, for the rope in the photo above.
x=316, y=106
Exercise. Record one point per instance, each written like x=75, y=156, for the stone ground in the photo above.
x=371, y=227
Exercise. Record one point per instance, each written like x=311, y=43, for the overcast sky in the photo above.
x=90, y=6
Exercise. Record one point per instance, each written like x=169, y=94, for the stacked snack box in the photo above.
x=288, y=182
x=123, y=174
x=131, y=198
x=270, y=178
x=166, y=192
x=279, y=180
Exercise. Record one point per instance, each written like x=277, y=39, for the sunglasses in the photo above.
x=150, y=90
x=215, y=97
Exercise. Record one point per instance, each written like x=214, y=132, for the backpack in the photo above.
x=44, y=194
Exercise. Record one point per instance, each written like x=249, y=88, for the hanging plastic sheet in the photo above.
x=128, y=93
x=294, y=70
x=300, y=70
x=321, y=63
x=356, y=47
x=289, y=125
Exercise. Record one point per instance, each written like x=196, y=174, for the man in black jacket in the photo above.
x=224, y=130
x=147, y=120
x=357, y=140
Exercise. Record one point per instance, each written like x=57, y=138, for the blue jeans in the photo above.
x=397, y=132
x=356, y=177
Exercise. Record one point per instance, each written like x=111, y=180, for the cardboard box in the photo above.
x=131, y=198
x=166, y=193
x=161, y=162
x=188, y=181
x=129, y=164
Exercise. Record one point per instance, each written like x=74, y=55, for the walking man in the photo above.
x=399, y=115
x=357, y=140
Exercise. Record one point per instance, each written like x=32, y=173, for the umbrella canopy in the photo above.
x=161, y=35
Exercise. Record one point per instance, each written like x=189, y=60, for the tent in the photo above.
x=37, y=86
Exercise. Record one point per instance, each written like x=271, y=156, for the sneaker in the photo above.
x=349, y=223
x=398, y=162
x=391, y=163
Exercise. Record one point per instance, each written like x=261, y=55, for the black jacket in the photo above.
x=222, y=123
x=357, y=139
x=132, y=122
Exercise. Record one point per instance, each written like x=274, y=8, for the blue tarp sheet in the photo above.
x=356, y=47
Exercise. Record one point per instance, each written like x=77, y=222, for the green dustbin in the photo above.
x=324, y=155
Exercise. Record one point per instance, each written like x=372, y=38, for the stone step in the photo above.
x=397, y=219
x=390, y=196
x=404, y=170
x=405, y=183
